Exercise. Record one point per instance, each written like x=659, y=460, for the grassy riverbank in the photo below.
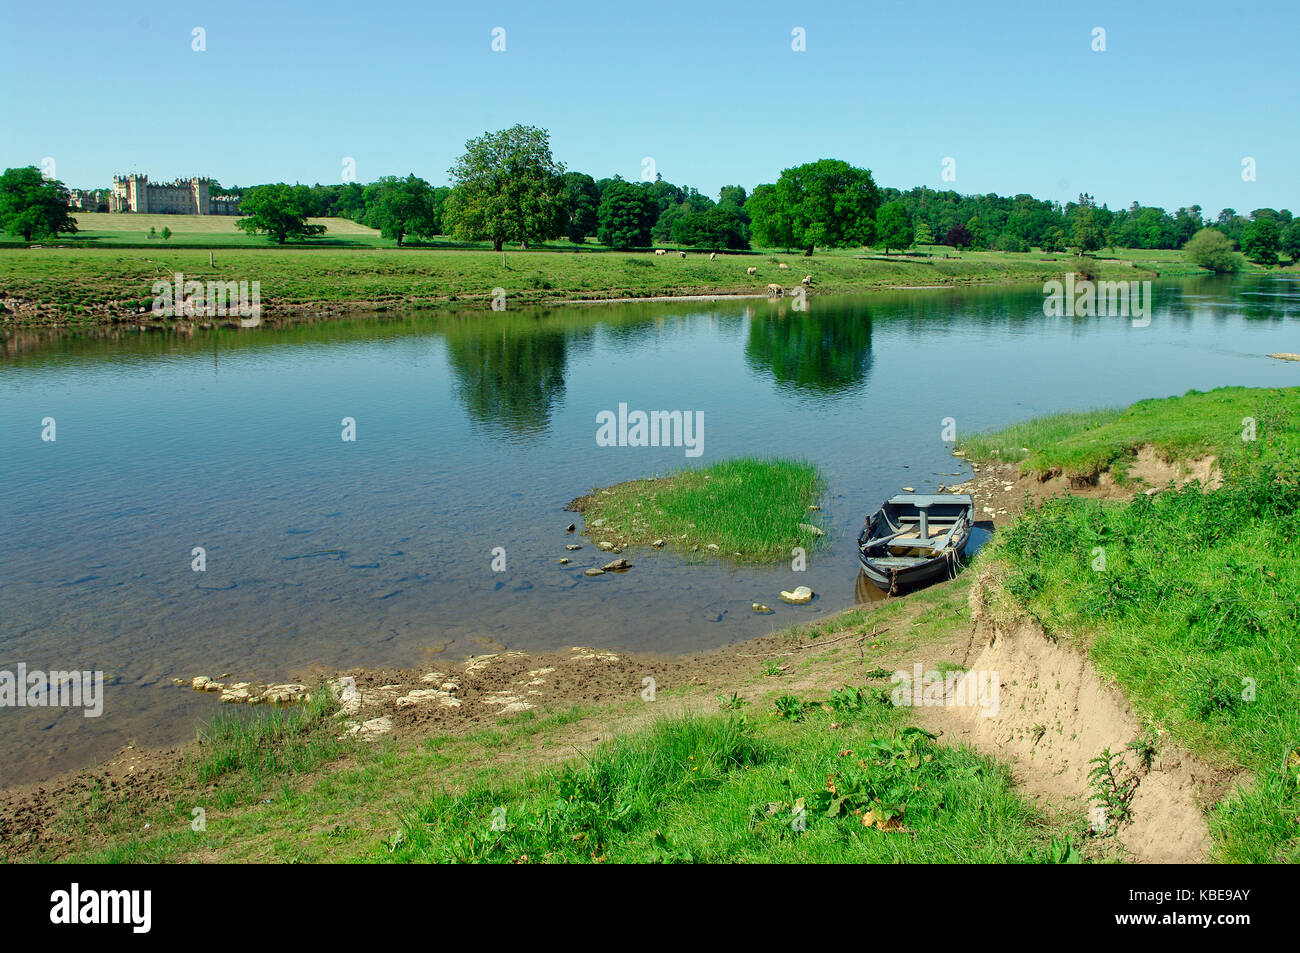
x=749, y=509
x=1188, y=600
x=1236, y=424
x=76, y=285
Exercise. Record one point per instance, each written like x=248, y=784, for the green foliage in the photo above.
x=1210, y=248
x=507, y=187
x=278, y=211
x=826, y=203
x=1261, y=243
x=626, y=215
x=923, y=234
x=893, y=227
x=33, y=206
x=581, y=201
x=1291, y=242
x=717, y=227
x=401, y=207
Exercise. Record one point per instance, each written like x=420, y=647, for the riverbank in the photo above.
x=1144, y=709
x=67, y=286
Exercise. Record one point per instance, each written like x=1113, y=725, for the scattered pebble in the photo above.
x=802, y=595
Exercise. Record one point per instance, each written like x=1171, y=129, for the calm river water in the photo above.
x=473, y=431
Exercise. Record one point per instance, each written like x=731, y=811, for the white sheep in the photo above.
x=783, y=266
x=751, y=270
x=807, y=280
x=775, y=291
x=682, y=253
x=712, y=255
x=660, y=251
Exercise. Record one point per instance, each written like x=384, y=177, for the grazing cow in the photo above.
x=660, y=251
x=751, y=270
x=775, y=291
x=807, y=280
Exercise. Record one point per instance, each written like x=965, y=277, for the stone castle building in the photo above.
x=135, y=193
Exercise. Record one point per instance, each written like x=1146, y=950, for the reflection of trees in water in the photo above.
x=508, y=375
x=825, y=349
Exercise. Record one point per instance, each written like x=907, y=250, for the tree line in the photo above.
x=507, y=188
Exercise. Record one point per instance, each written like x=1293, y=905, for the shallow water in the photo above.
x=473, y=432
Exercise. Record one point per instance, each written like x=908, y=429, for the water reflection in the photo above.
x=509, y=374
x=822, y=350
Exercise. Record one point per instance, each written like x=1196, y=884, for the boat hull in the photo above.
x=899, y=573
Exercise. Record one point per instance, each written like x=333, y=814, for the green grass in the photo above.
x=1081, y=445
x=751, y=509
x=758, y=789
x=1196, y=606
x=80, y=284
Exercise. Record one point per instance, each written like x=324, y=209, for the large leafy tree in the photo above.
x=33, y=206
x=827, y=202
x=1291, y=241
x=959, y=236
x=626, y=215
x=507, y=188
x=404, y=207
x=893, y=227
x=581, y=200
x=279, y=211
x=1210, y=248
x=771, y=224
x=1260, y=241
x=718, y=227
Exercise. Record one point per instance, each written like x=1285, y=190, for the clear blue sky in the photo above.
x=712, y=91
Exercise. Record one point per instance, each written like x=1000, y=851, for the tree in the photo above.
x=33, y=206
x=719, y=227
x=581, y=200
x=1210, y=248
x=279, y=210
x=507, y=187
x=958, y=236
x=923, y=234
x=1086, y=232
x=770, y=222
x=1291, y=241
x=626, y=215
x=734, y=196
x=403, y=207
x=827, y=202
x=1260, y=241
x=893, y=227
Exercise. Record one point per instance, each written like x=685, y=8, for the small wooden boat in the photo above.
x=915, y=539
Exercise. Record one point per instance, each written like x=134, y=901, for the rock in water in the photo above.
x=617, y=565
x=801, y=596
x=570, y=528
x=762, y=609
x=593, y=571
x=572, y=546
x=605, y=546
x=658, y=544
